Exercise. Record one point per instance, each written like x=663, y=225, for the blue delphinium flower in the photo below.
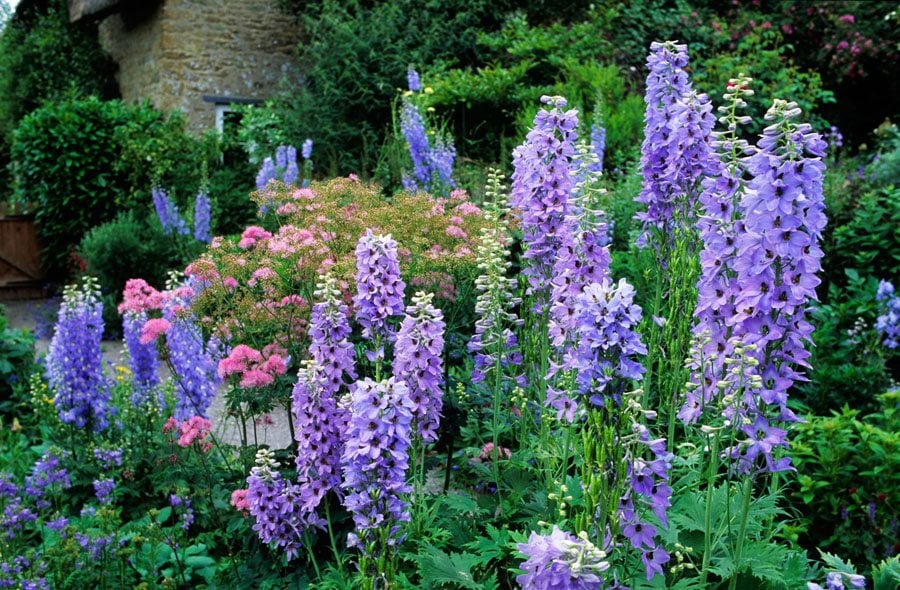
x=598, y=143
x=888, y=322
x=143, y=359
x=375, y=461
x=266, y=173
x=379, y=288
x=329, y=335
x=412, y=80
x=306, y=149
x=778, y=256
x=75, y=360
x=835, y=581
x=201, y=218
x=167, y=212
x=541, y=185
x=676, y=151
x=45, y=473
x=275, y=506
x=418, y=361
x=103, y=489
x=291, y=171
x=561, y=561
x=194, y=361
x=412, y=124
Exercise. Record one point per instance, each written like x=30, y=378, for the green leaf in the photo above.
x=439, y=568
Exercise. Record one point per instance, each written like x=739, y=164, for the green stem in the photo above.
x=707, y=524
x=745, y=513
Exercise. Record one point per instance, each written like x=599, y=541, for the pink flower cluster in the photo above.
x=194, y=429
x=255, y=369
x=239, y=500
x=140, y=296
x=487, y=453
x=153, y=329
x=251, y=235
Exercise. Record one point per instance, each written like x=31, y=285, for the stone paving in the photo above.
x=273, y=431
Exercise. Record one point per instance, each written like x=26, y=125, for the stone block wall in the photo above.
x=188, y=49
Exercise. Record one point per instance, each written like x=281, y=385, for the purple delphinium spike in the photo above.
x=676, y=150
x=541, y=185
x=888, y=322
x=778, y=256
x=143, y=358
x=441, y=159
x=412, y=80
x=167, y=212
x=608, y=346
x=266, y=173
x=194, y=361
x=306, y=148
x=412, y=124
x=719, y=224
x=201, y=218
x=320, y=427
x=291, y=171
x=329, y=334
x=379, y=287
x=75, y=361
x=418, y=361
x=375, y=461
x=45, y=473
x=281, y=159
x=103, y=489
x=561, y=560
x=275, y=506
x=598, y=144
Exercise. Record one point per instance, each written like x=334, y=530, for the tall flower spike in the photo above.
x=275, y=506
x=201, y=218
x=167, y=213
x=320, y=423
x=675, y=153
x=75, y=360
x=380, y=289
x=777, y=260
x=541, y=185
x=194, y=361
x=719, y=224
x=375, y=461
x=418, y=362
x=494, y=342
x=143, y=359
x=329, y=334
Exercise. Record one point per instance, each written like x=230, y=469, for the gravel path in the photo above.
x=274, y=432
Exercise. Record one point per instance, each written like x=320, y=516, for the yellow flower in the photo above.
x=429, y=90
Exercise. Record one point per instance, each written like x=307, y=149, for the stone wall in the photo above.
x=188, y=49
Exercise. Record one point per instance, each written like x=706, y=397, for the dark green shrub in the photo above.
x=16, y=362
x=44, y=57
x=848, y=480
x=870, y=241
x=112, y=250
x=83, y=161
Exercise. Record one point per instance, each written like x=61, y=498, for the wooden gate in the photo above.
x=21, y=276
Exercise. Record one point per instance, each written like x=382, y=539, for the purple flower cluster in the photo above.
x=835, y=581
x=608, y=345
x=329, y=335
x=541, y=185
x=648, y=488
x=143, y=359
x=412, y=80
x=675, y=153
x=306, y=149
x=103, y=489
x=275, y=505
x=561, y=561
x=108, y=458
x=201, y=218
x=183, y=505
x=418, y=362
x=778, y=256
x=379, y=287
x=432, y=165
x=598, y=144
x=888, y=322
x=75, y=361
x=15, y=514
x=19, y=574
x=718, y=224
x=283, y=168
x=45, y=473
x=167, y=212
x=375, y=461
x=320, y=425
x=194, y=362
